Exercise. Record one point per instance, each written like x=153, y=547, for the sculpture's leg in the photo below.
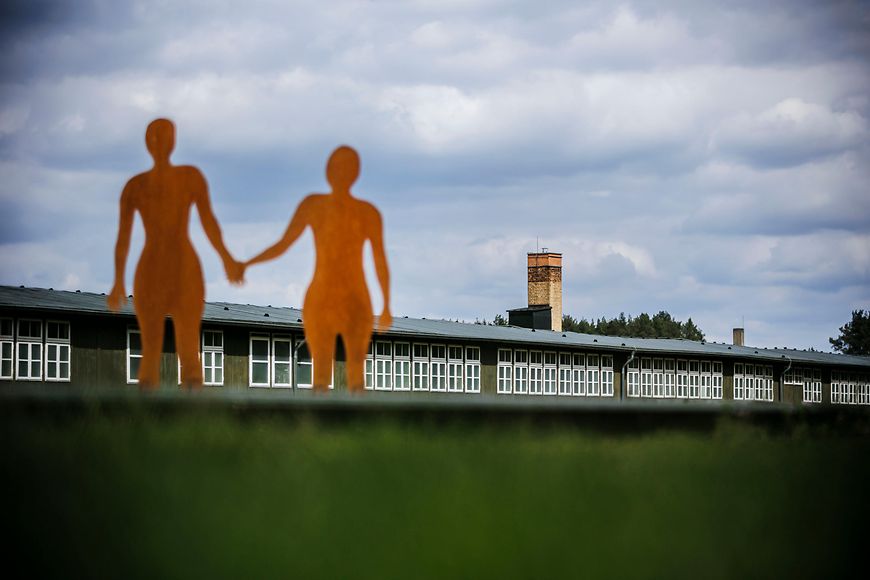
x=151, y=327
x=187, y=336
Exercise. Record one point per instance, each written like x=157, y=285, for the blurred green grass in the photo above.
x=207, y=494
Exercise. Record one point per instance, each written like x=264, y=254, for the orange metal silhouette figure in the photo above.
x=337, y=302
x=168, y=278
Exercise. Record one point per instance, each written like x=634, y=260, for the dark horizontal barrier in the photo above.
x=597, y=415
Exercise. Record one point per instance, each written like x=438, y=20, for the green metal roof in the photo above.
x=270, y=317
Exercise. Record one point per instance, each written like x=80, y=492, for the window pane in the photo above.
x=282, y=350
x=135, y=343
x=260, y=349
x=282, y=374
x=303, y=374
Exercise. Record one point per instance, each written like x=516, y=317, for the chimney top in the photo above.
x=738, y=335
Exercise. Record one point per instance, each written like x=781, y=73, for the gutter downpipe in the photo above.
x=782, y=376
x=623, y=384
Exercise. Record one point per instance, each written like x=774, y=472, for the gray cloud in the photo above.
x=703, y=158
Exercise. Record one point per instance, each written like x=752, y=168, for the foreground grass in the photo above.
x=208, y=495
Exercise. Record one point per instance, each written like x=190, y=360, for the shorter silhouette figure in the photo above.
x=169, y=279
x=337, y=302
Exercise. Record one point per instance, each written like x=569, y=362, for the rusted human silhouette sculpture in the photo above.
x=337, y=302
x=168, y=278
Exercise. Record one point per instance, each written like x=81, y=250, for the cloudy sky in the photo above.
x=687, y=156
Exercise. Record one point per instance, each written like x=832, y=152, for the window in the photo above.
x=212, y=357
x=304, y=366
x=134, y=354
x=57, y=351
x=592, y=375
x=402, y=366
x=658, y=388
x=472, y=369
x=536, y=372
x=421, y=367
x=29, y=351
x=383, y=366
x=521, y=372
x=753, y=382
x=505, y=372
x=579, y=375
x=565, y=374
x=606, y=375
x=370, y=368
x=550, y=373
x=694, y=379
x=439, y=368
x=706, y=380
x=7, y=349
x=646, y=377
x=633, y=377
x=682, y=379
x=454, y=369
x=282, y=361
x=258, y=369
x=717, y=380
x=670, y=378
x=812, y=386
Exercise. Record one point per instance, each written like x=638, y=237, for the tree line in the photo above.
x=661, y=325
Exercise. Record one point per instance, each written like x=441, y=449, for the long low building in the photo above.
x=71, y=338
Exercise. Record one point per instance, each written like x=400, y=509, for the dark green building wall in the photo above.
x=99, y=343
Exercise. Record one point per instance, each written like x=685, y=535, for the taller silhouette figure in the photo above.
x=337, y=302
x=168, y=278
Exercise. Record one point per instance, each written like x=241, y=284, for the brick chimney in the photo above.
x=738, y=337
x=545, y=284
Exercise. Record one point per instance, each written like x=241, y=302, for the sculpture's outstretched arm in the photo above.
x=382, y=269
x=234, y=270
x=118, y=296
x=295, y=228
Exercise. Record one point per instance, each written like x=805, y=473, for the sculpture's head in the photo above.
x=160, y=139
x=342, y=169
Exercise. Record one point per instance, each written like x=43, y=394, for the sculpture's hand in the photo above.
x=385, y=320
x=235, y=271
x=116, y=298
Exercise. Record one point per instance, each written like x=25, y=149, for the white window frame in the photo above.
x=268, y=362
x=565, y=374
x=31, y=343
x=521, y=372
x=420, y=378
x=438, y=368
x=455, y=369
x=718, y=379
x=275, y=362
x=401, y=366
x=536, y=372
x=61, y=345
x=505, y=372
x=472, y=369
x=7, y=342
x=369, y=370
x=593, y=375
x=383, y=365
x=578, y=374
x=133, y=330
x=551, y=373
x=213, y=351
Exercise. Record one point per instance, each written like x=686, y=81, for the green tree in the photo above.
x=662, y=325
x=854, y=335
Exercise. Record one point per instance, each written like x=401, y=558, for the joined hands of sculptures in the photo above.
x=169, y=280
